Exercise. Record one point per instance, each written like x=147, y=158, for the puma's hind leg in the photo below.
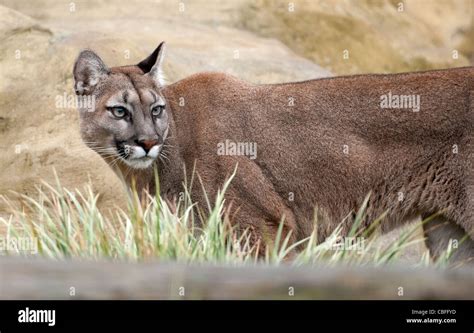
x=440, y=233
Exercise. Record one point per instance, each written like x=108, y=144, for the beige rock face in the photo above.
x=350, y=37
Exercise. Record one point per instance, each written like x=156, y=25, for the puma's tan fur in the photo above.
x=323, y=143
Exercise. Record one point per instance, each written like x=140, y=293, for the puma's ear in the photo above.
x=152, y=65
x=88, y=70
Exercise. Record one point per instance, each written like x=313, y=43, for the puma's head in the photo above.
x=128, y=120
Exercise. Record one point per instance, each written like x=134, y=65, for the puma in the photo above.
x=324, y=143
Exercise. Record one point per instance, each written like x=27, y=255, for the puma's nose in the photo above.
x=147, y=144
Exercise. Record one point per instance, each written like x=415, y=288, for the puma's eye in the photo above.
x=157, y=110
x=119, y=112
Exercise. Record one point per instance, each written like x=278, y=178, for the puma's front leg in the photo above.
x=262, y=226
x=258, y=208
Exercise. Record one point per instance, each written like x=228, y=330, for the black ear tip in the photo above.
x=160, y=48
x=147, y=64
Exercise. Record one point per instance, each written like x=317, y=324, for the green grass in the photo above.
x=65, y=223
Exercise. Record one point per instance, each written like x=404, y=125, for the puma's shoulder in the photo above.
x=206, y=81
x=200, y=92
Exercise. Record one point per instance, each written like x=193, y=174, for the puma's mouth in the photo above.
x=137, y=157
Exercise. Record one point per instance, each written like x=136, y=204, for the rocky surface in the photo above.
x=370, y=36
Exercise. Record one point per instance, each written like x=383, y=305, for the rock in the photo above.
x=352, y=37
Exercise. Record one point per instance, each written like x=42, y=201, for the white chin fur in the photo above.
x=139, y=163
